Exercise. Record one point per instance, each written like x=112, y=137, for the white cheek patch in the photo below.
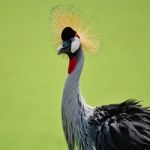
x=75, y=44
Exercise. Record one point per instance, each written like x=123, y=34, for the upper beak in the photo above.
x=59, y=50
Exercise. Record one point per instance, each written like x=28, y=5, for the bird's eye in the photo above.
x=65, y=44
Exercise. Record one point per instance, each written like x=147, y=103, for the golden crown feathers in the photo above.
x=68, y=16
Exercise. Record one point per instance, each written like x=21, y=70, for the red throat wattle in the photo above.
x=72, y=64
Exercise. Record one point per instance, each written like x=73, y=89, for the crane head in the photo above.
x=69, y=22
x=70, y=42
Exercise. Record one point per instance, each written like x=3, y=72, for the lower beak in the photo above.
x=61, y=50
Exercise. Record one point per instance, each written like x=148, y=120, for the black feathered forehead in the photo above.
x=67, y=33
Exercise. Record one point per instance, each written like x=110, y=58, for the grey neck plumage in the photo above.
x=75, y=112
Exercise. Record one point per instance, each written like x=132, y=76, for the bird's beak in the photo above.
x=59, y=50
x=64, y=48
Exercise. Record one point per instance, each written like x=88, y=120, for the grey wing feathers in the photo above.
x=124, y=126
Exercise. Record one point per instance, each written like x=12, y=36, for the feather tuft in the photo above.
x=68, y=16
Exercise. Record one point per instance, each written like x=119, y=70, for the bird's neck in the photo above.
x=71, y=94
x=71, y=89
x=74, y=110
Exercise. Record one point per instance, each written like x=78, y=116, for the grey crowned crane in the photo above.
x=124, y=126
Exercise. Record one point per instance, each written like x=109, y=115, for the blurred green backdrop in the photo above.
x=32, y=75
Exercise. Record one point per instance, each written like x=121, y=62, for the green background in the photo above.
x=32, y=75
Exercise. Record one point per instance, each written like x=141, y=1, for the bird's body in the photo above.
x=124, y=126
x=111, y=127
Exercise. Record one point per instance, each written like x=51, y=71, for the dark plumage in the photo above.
x=124, y=126
x=67, y=34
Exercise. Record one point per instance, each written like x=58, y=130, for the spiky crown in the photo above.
x=67, y=16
